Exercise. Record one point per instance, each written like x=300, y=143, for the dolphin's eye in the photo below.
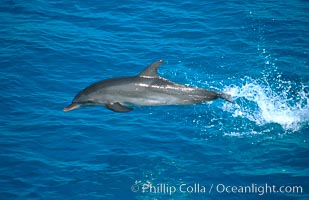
x=89, y=101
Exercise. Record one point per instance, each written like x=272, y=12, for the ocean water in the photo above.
x=256, y=148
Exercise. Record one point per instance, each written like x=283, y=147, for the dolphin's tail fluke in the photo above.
x=226, y=97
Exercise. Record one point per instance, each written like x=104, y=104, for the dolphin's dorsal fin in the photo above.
x=152, y=70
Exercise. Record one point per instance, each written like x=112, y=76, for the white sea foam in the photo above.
x=263, y=103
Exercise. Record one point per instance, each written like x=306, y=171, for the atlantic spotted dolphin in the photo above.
x=145, y=89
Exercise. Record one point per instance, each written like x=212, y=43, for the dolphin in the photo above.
x=145, y=89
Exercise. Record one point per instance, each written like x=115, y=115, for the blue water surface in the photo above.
x=257, y=51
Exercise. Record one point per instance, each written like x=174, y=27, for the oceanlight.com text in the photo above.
x=259, y=189
x=199, y=188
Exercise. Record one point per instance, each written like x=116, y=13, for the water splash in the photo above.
x=270, y=101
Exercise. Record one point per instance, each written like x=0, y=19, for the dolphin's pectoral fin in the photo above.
x=152, y=70
x=117, y=107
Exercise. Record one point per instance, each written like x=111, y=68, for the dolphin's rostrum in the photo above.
x=145, y=89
